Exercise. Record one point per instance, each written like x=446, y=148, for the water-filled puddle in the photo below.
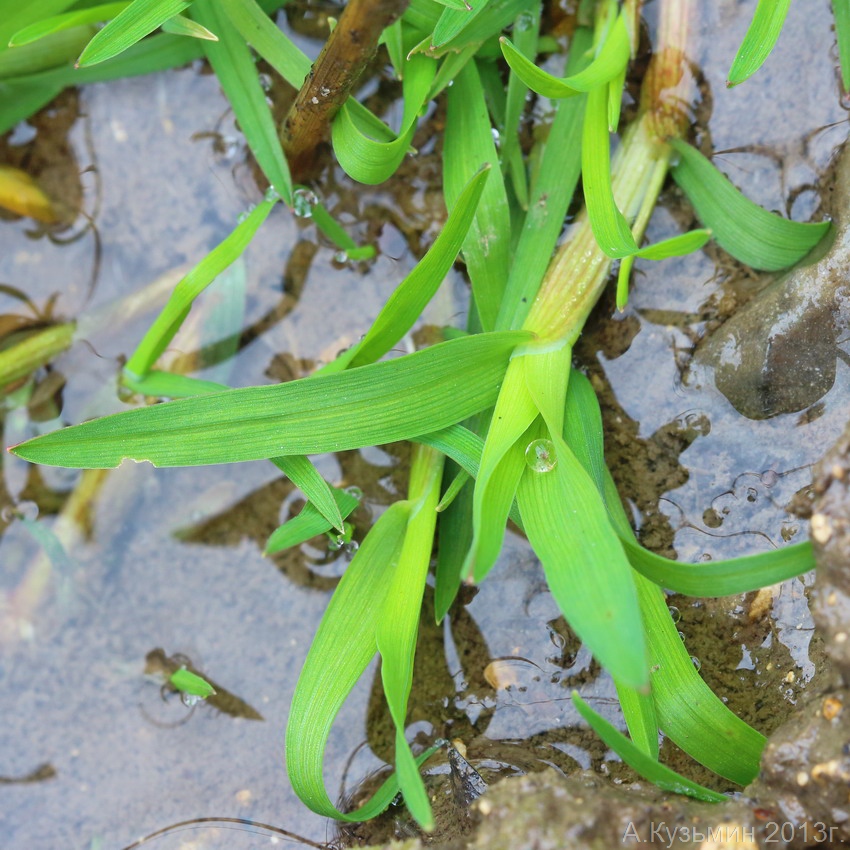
x=143, y=561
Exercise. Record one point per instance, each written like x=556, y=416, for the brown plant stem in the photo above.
x=348, y=50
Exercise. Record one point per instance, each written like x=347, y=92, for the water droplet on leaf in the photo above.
x=303, y=201
x=540, y=456
x=674, y=613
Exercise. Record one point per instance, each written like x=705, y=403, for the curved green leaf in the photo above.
x=344, y=645
x=750, y=233
x=759, y=40
x=608, y=64
x=366, y=159
x=56, y=23
x=364, y=406
x=643, y=764
x=308, y=523
x=610, y=228
x=722, y=578
x=132, y=24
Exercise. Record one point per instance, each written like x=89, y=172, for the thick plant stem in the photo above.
x=579, y=271
x=346, y=53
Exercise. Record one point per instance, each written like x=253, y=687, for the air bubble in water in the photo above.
x=303, y=201
x=540, y=456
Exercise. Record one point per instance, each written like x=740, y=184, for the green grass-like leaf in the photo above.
x=371, y=160
x=181, y=25
x=57, y=23
x=643, y=764
x=722, y=578
x=467, y=146
x=412, y=295
x=340, y=652
x=759, y=41
x=191, y=683
x=750, y=233
x=308, y=523
x=132, y=24
x=162, y=331
x=398, y=622
x=365, y=406
x=585, y=565
x=610, y=228
x=237, y=73
x=608, y=65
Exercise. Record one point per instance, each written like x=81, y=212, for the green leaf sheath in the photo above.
x=369, y=405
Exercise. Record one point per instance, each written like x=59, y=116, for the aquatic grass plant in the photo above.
x=502, y=425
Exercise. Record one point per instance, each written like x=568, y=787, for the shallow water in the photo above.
x=173, y=558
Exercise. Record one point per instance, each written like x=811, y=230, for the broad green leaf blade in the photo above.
x=459, y=30
x=586, y=569
x=56, y=23
x=412, y=295
x=365, y=406
x=398, y=621
x=139, y=19
x=643, y=764
x=191, y=683
x=751, y=234
x=841, y=13
x=237, y=73
x=367, y=159
x=547, y=374
x=608, y=65
x=467, y=146
x=181, y=25
x=166, y=325
x=722, y=578
x=759, y=41
x=610, y=228
x=301, y=472
x=308, y=523
x=344, y=645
